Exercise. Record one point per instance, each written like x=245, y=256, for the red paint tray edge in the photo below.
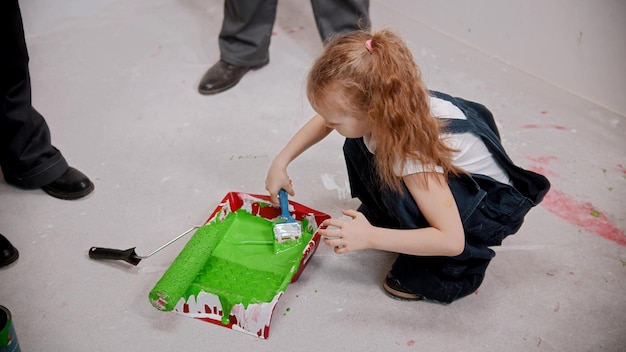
x=258, y=205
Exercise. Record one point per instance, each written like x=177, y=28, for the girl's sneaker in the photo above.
x=394, y=289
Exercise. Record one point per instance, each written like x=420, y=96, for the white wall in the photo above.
x=577, y=45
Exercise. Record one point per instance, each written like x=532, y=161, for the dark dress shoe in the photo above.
x=73, y=184
x=8, y=253
x=222, y=76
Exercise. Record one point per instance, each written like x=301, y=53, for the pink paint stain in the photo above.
x=157, y=52
x=621, y=168
x=534, y=126
x=410, y=343
x=558, y=307
x=544, y=160
x=542, y=171
x=580, y=214
x=293, y=30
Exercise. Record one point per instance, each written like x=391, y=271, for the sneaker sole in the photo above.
x=399, y=295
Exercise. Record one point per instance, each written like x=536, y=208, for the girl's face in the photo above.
x=333, y=109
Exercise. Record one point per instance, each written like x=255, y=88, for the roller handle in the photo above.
x=127, y=255
x=284, y=205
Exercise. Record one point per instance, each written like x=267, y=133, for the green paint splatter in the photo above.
x=623, y=262
x=288, y=309
x=247, y=156
x=595, y=214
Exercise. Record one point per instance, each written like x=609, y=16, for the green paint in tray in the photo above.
x=234, y=259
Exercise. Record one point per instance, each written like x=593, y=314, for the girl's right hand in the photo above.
x=276, y=179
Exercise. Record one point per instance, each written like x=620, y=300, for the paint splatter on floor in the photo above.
x=543, y=160
x=535, y=126
x=343, y=192
x=576, y=212
x=582, y=214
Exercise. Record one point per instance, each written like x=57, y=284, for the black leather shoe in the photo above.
x=8, y=253
x=73, y=184
x=222, y=76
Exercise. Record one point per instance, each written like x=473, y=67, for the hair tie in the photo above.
x=368, y=45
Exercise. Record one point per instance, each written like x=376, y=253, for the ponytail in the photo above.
x=380, y=79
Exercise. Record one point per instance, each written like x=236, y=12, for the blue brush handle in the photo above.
x=284, y=204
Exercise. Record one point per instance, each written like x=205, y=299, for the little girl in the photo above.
x=434, y=181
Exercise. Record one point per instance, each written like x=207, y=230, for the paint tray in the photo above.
x=230, y=273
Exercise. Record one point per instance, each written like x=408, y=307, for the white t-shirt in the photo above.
x=472, y=156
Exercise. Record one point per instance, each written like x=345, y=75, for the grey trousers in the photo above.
x=244, y=39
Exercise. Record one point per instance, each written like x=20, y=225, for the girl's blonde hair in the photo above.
x=381, y=82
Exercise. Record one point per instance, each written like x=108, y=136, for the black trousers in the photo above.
x=244, y=39
x=27, y=157
x=442, y=279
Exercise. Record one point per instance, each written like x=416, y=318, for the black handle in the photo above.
x=128, y=255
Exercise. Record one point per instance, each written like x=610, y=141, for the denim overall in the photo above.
x=489, y=210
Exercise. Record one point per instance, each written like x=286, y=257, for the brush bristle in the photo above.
x=287, y=231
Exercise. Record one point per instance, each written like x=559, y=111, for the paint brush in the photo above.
x=287, y=228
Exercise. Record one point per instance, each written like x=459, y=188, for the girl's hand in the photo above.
x=348, y=235
x=312, y=132
x=276, y=179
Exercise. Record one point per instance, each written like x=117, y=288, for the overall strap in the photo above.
x=480, y=122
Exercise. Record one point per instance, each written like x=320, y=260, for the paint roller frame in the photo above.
x=129, y=255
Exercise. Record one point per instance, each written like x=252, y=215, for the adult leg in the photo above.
x=337, y=17
x=244, y=42
x=27, y=157
x=246, y=32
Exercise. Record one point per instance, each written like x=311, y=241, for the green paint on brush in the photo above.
x=235, y=272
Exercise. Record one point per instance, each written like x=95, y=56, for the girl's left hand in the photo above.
x=348, y=235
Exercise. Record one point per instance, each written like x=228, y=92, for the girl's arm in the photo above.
x=445, y=237
x=312, y=132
